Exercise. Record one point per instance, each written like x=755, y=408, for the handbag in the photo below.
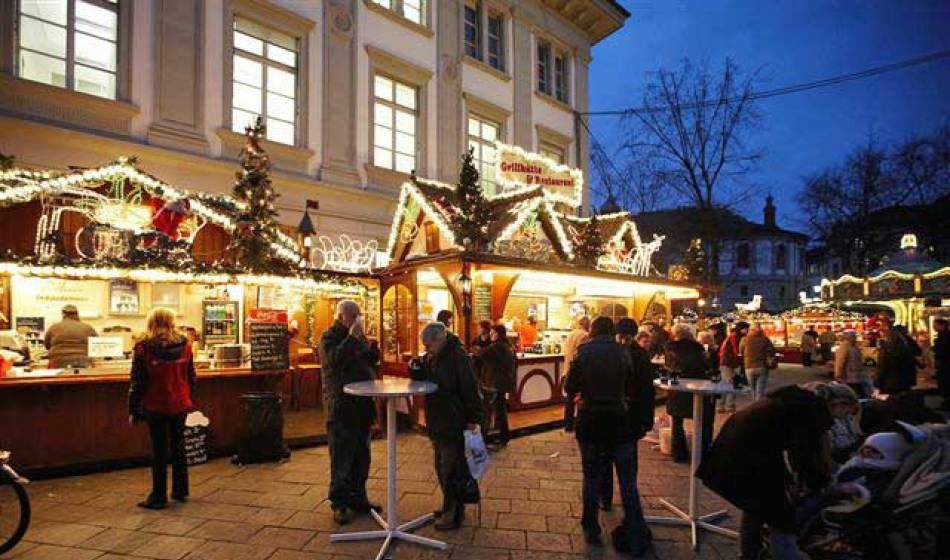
x=468, y=489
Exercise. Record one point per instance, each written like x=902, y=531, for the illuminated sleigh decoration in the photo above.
x=347, y=255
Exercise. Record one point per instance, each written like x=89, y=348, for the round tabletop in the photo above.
x=701, y=386
x=390, y=387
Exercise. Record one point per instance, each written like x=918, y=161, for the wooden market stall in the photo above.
x=116, y=243
x=534, y=262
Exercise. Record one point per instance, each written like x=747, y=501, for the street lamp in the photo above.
x=305, y=233
x=465, y=286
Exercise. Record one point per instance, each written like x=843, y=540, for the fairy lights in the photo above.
x=347, y=255
x=547, y=167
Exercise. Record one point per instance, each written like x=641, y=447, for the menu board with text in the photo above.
x=481, y=302
x=269, y=346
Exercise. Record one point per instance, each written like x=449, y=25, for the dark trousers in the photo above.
x=496, y=413
x=450, y=467
x=607, y=481
x=806, y=359
x=349, y=464
x=624, y=457
x=680, y=449
x=782, y=546
x=168, y=445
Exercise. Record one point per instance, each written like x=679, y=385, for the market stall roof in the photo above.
x=908, y=260
x=18, y=186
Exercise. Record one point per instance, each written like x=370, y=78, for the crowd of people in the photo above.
x=610, y=406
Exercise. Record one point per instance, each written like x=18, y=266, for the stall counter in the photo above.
x=539, y=381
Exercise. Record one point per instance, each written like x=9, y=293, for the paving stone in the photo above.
x=217, y=550
x=551, y=542
x=231, y=531
x=564, y=525
x=54, y=552
x=167, y=547
x=499, y=538
x=282, y=537
x=270, y=516
x=284, y=554
x=117, y=540
x=65, y=534
x=522, y=521
x=173, y=525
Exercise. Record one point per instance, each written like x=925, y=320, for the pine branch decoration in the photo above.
x=475, y=214
x=588, y=243
x=257, y=224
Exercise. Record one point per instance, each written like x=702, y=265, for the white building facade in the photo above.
x=356, y=94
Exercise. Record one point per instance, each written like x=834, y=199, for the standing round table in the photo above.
x=699, y=388
x=391, y=389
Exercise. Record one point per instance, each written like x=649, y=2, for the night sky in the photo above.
x=790, y=42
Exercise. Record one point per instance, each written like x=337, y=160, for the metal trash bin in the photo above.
x=261, y=434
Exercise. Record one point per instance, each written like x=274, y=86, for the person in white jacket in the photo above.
x=849, y=364
x=575, y=339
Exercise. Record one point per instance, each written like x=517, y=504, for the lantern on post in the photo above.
x=306, y=231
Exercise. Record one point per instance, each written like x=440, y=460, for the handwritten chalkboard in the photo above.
x=269, y=346
x=196, y=445
x=481, y=302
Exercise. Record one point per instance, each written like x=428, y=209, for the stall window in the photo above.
x=482, y=134
x=473, y=30
x=264, y=80
x=410, y=9
x=781, y=257
x=743, y=256
x=72, y=44
x=398, y=314
x=433, y=244
x=544, y=66
x=394, y=124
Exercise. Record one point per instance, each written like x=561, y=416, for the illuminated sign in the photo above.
x=518, y=169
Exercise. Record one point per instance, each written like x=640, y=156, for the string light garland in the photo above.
x=347, y=255
x=577, y=176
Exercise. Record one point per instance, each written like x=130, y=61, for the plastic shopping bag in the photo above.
x=476, y=453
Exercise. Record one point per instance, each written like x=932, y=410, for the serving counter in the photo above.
x=539, y=381
x=75, y=421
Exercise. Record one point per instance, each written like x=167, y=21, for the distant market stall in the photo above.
x=522, y=256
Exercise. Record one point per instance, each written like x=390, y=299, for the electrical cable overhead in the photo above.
x=794, y=88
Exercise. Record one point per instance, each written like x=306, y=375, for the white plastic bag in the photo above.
x=476, y=453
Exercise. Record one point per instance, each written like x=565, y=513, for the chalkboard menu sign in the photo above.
x=196, y=445
x=31, y=324
x=481, y=302
x=269, y=346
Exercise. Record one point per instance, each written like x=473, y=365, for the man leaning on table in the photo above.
x=454, y=407
x=347, y=357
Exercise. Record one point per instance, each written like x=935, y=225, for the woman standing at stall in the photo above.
x=162, y=384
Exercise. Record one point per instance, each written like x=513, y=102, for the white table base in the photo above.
x=391, y=529
x=690, y=519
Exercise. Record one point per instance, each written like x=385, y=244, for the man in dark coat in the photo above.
x=941, y=350
x=896, y=360
x=455, y=407
x=687, y=359
x=746, y=464
x=603, y=375
x=498, y=369
x=346, y=357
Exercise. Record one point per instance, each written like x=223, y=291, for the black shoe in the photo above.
x=366, y=506
x=180, y=497
x=151, y=504
x=342, y=516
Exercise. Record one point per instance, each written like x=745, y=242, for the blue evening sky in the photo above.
x=790, y=42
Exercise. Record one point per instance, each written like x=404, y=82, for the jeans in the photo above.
x=450, y=467
x=679, y=445
x=349, y=465
x=168, y=444
x=728, y=400
x=607, y=481
x=496, y=410
x=759, y=381
x=624, y=457
x=784, y=546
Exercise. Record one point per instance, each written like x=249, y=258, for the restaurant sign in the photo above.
x=517, y=169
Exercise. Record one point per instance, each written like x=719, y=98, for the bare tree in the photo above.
x=692, y=131
x=921, y=168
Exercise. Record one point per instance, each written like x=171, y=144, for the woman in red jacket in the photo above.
x=163, y=380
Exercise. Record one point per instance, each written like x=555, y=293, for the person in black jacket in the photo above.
x=896, y=359
x=687, y=359
x=456, y=406
x=603, y=376
x=497, y=378
x=747, y=466
x=346, y=357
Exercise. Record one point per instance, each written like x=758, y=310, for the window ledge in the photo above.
x=382, y=177
x=62, y=105
x=393, y=16
x=284, y=157
x=487, y=68
x=553, y=102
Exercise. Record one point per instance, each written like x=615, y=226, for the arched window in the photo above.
x=743, y=256
x=781, y=257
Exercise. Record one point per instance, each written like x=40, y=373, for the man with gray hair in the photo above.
x=453, y=408
x=346, y=356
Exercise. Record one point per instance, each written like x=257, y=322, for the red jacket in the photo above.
x=163, y=378
x=729, y=352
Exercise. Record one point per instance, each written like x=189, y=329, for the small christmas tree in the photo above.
x=257, y=224
x=694, y=259
x=470, y=224
x=588, y=244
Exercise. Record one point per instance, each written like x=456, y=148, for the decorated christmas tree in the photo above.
x=694, y=259
x=470, y=224
x=256, y=224
x=588, y=244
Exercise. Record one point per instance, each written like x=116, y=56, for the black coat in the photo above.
x=642, y=406
x=499, y=367
x=896, y=363
x=346, y=359
x=688, y=359
x=457, y=400
x=602, y=374
x=941, y=350
x=746, y=465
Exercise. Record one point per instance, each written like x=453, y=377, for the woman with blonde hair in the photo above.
x=160, y=392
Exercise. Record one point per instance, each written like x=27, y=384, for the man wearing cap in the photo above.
x=68, y=340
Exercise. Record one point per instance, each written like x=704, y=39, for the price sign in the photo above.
x=105, y=347
x=269, y=346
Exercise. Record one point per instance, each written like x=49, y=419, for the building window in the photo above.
x=781, y=257
x=72, y=44
x=552, y=152
x=544, y=67
x=743, y=291
x=481, y=139
x=394, y=124
x=496, y=41
x=473, y=30
x=743, y=256
x=561, y=76
x=264, y=80
x=409, y=9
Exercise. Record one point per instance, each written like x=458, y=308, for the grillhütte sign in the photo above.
x=518, y=168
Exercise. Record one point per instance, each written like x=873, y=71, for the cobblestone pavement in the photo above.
x=530, y=509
